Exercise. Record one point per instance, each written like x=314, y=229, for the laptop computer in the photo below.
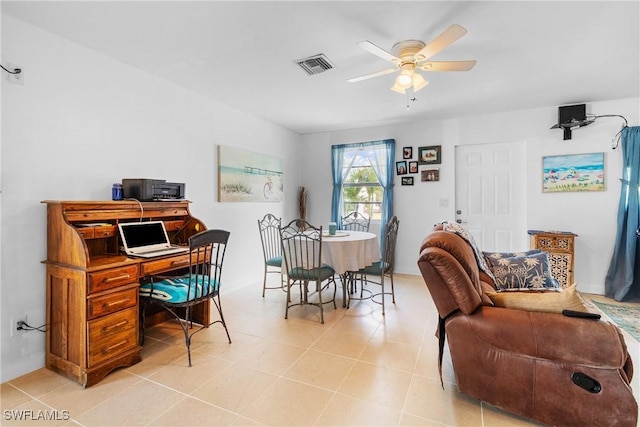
x=147, y=239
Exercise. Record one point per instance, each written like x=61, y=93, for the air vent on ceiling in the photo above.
x=315, y=64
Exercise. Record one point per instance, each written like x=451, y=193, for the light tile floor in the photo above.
x=358, y=369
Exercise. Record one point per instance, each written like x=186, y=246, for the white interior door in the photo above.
x=491, y=194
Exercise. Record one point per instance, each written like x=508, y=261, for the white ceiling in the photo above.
x=530, y=54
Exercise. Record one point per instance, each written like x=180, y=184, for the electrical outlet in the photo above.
x=15, y=325
x=15, y=78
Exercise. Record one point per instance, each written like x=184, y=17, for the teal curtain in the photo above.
x=339, y=173
x=623, y=277
x=382, y=160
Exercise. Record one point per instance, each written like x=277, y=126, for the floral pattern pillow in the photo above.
x=522, y=272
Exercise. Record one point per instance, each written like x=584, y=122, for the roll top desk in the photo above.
x=92, y=303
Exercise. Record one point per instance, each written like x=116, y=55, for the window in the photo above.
x=361, y=190
x=362, y=176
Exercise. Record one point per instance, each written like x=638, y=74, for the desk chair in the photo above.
x=355, y=221
x=178, y=295
x=382, y=268
x=302, y=252
x=269, y=228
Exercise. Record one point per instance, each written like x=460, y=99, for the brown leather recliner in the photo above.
x=520, y=361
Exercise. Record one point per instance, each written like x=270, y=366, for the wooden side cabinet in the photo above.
x=560, y=246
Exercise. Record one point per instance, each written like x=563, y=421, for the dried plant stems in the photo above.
x=302, y=203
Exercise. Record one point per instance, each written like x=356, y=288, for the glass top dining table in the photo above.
x=349, y=251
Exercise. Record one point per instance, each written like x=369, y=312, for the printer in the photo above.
x=145, y=189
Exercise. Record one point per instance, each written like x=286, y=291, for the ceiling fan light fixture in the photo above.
x=405, y=79
x=418, y=82
x=398, y=88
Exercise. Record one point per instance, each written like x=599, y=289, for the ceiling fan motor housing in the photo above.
x=406, y=50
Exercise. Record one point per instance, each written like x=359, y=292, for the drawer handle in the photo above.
x=116, y=326
x=109, y=349
x=115, y=303
x=116, y=278
x=180, y=262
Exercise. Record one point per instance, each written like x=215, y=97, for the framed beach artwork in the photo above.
x=245, y=176
x=573, y=172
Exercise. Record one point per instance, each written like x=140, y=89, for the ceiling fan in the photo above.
x=410, y=56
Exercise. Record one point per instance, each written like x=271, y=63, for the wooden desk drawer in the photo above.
x=86, y=232
x=111, y=278
x=112, y=334
x=106, y=304
x=149, y=268
x=105, y=231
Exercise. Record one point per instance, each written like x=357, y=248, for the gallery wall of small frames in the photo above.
x=422, y=164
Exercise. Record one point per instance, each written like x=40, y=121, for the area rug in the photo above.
x=627, y=317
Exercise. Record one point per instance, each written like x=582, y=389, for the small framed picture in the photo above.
x=401, y=168
x=428, y=175
x=413, y=167
x=407, y=180
x=430, y=155
x=407, y=152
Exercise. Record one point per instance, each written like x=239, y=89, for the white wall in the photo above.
x=591, y=215
x=82, y=122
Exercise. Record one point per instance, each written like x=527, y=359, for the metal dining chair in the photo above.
x=269, y=228
x=381, y=269
x=355, y=221
x=180, y=295
x=302, y=253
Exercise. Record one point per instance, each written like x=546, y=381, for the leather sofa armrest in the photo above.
x=549, y=336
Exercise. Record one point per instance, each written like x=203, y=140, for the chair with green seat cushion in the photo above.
x=181, y=294
x=382, y=268
x=269, y=228
x=302, y=253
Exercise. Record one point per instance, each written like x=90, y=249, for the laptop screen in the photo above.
x=143, y=234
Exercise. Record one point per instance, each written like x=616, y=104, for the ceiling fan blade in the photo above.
x=372, y=48
x=370, y=76
x=447, y=65
x=445, y=38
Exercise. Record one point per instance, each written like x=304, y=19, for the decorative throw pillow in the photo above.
x=499, y=255
x=547, y=301
x=529, y=272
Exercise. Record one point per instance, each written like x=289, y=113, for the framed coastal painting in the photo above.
x=573, y=172
x=245, y=176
